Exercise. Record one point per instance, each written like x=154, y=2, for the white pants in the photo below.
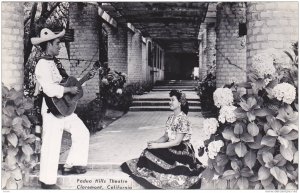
x=51, y=143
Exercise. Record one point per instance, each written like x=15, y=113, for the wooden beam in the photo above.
x=107, y=18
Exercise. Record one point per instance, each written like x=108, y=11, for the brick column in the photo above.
x=204, y=49
x=200, y=59
x=229, y=45
x=144, y=61
x=117, y=48
x=211, y=46
x=271, y=25
x=134, y=57
x=12, y=19
x=83, y=19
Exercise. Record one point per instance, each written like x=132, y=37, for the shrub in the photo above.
x=17, y=141
x=260, y=137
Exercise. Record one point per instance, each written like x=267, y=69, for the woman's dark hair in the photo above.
x=43, y=45
x=178, y=95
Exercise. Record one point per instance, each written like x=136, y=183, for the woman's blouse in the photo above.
x=178, y=124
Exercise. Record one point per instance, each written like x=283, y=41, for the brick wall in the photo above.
x=204, y=49
x=135, y=57
x=12, y=19
x=200, y=59
x=83, y=19
x=211, y=45
x=271, y=25
x=144, y=61
x=117, y=48
x=229, y=44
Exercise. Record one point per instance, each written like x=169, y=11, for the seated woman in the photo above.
x=169, y=162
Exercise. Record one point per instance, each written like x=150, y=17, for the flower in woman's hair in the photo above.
x=262, y=64
x=227, y=114
x=119, y=91
x=223, y=97
x=284, y=92
x=214, y=148
x=105, y=81
x=210, y=126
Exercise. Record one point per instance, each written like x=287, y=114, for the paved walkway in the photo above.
x=125, y=138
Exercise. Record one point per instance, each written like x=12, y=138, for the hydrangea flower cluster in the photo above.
x=284, y=92
x=262, y=64
x=227, y=114
x=210, y=126
x=280, y=58
x=214, y=147
x=223, y=97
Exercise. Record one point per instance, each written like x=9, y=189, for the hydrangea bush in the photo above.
x=255, y=144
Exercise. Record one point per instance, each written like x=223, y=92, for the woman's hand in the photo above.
x=152, y=145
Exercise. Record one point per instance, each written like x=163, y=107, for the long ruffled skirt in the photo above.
x=166, y=168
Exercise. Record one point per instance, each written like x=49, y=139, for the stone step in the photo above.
x=97, y=177
x=160, y=99
x=160, y=103
x=180, y=87
x=169, y=89
x=161, y=108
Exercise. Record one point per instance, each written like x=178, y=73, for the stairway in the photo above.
x=158, y=99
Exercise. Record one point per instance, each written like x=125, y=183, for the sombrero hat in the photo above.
x=46, y=35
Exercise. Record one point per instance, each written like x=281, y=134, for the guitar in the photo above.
x=65, y=106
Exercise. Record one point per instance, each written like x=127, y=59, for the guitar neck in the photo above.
x=84, y=79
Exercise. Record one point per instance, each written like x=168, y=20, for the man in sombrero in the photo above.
x=49, y=73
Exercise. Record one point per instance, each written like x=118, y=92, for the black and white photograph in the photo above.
x=138, y=95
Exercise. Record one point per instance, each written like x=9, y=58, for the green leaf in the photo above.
x=267, y=157
x=27, y=150
x=4, y=178
x=11, y=184
x=279, y=175
x=291, y=136
x=252, y=129
x=246, y=137
x=5, y=130
x=208, y=174
x=251, y=116
x=238, y=129
x=239, y=113
x=246, y=172
x=262, y=112
x=244, y=106
x=296, y=158
x=287, y=153
x=275, y=124
x=13, y=139
x=243, y=183
x=221, y=184
x=9, y=110
x=267, y=181
x=6, y=121
x=272, y=133
x=279, y=160
x=12, y=151
x=229, y=135
x=251, y=101
x=283, y=141
x=257, y=142
x=236, y=164
x=263, y=173
x=30, y=139
x=286, y=129
x=268, y=141
x=221, y=160
x=229, y=174
x=250, y=159
x=17, y=174
x=240, y=149
x=230, y=149
x=17, y=121
x=26, y=121
x=291, y=186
